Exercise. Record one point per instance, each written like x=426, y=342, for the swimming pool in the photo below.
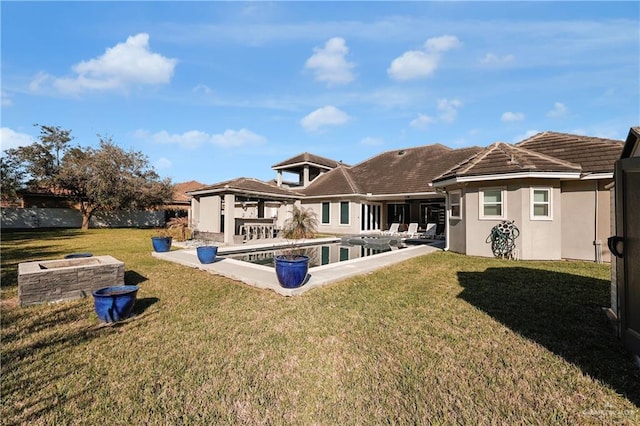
x=320, y=254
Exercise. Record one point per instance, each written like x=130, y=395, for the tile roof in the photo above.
x=400, y=171
x=180, y=190
x=503, y=158
x=248, y=187
x=595, y=155
x=306, y=157
x=338, y=181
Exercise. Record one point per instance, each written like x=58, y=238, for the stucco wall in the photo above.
x=334, y=226
x=579, y=225
x=539, y=239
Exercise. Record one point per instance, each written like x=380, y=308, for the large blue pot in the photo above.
x=115, y=303
x=292, y=270
x=207, y=254
x=161, y=244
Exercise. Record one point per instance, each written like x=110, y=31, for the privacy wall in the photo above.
x=32, y=218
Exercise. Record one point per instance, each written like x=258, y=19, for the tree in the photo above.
x=110, y=178
x=34, y=166
x=11, y=177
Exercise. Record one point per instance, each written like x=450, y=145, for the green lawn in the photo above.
x=442, y=339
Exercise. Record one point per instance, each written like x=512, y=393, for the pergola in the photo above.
x=207, y=203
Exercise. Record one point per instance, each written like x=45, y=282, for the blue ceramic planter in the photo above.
x=161, y=244
x=292, y=272
x=207, y=254
x=115, y=303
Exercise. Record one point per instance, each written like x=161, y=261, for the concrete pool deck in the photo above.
x=264, y=277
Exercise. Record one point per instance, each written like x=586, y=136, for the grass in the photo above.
x=441, y=339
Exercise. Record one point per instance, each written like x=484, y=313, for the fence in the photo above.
x=33, y=217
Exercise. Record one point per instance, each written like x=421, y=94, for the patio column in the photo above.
x=305, y=176
x=216, y=210
x=229, y=218
x=279, y=179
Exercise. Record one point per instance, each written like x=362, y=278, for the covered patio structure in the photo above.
x=239, y=209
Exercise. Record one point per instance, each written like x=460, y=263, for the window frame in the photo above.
x=533, y=203
x=457, y=192
x=348, y=204
x=328, y=222
x=503, y=203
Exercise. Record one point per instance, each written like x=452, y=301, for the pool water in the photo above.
x=322, y=254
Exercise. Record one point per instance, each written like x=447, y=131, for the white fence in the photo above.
x=31, y=218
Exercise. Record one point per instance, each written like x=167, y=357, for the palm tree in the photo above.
x=302, y=224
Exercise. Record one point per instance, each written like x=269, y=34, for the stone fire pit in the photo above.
x=66, y=279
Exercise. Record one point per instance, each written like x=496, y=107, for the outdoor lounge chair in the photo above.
x=430, y=232
x=412, y=232
x=393, y=229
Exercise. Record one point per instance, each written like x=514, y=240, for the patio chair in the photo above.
x=412, y=232
x=393, y=229
x=430, y=232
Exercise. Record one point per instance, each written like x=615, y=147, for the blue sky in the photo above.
x=211, y=91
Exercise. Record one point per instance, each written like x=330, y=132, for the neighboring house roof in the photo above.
x=247, y=187
x=501, y=158
x=180, y=191
x=307, y=158
x=594, y=155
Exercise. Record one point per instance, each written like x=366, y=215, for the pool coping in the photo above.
x=264, y=277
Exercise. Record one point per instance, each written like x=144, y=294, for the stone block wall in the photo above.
x=66, y=279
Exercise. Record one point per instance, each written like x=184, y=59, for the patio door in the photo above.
x=628, y=262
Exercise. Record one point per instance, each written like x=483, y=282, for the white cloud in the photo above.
x=6, y=100
x=325, y=116
x=202, y=88
x=422, y=121
x=196, y=138
x=495, y=60
x=448, y=109
x=12, y=139
x=559, y=110
x=330, y=64
x=413, y=64
x=237, y=138
x=420, y=64
x=372, y=141
x=447, y=113
x=163, y=163
x=442, y=43
x=525, y=135
x=121, y=66
x=512, y=116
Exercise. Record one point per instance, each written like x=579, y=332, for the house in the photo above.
x=552, y=185
x=625, y=244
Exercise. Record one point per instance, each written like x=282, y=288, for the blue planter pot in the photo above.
x=115, y=303
x=207, y=254
x=292, y=271
x=161, y=244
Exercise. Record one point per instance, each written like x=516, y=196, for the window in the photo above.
x=325, y=255
x=344, y=254
x=455, y=204
x=344, y=213
x=541, y=204
x=492, y=204
x=326, y=213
